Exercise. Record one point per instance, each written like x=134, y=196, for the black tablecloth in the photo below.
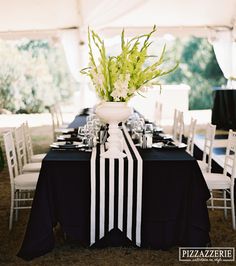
x=174, y=208
x=224, y=109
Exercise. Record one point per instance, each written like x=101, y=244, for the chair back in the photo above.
x=158, y=113
x=20, y=147
x=56, y=114
x=174, y=121
x=230, y=157
x=28, y=142
x=55, y=120
x=59, y=114
x=178, y=126
x=208, y=145
x=10, y=155
x=191, y=135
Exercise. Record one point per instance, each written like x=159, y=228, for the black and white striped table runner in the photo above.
x=116, y=192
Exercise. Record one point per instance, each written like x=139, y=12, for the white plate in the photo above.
x=59, y=143
x=158, y=145
x=66, y=136
x=67, y=130
x=182, y=145
x=77, y=143
x=158, y=129
x=62, y=143
x=54, y=146
x=166, y=136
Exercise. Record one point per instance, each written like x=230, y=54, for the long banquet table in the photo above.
x=174, y=196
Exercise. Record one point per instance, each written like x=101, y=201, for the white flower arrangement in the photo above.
x=118, y=78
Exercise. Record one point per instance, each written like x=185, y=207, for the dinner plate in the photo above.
x=158, y=145
x=66, y=145
x=59, y=143
x=157, y=129
x=62, y=137
x=164, y=145
x=165, y=136
x=67, y=130
x=172, y=145
x=181, y=145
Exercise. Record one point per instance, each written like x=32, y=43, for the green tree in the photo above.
x=199, y=69
x=33, y=74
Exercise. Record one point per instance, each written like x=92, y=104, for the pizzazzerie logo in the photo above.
x=207, y=254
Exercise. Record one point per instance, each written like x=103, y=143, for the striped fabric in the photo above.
x=116, y=193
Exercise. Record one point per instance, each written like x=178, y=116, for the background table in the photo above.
x=174, y=208
x=224, y=109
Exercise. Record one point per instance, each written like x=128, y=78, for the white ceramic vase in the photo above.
x=113, y=113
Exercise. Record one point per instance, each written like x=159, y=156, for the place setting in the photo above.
x=147, y=135
x=83, y=138
x=169, y=145
x=64, y=145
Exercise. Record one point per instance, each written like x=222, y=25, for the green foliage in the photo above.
x=33, y=75
x=199, y=69
x=118, y=78
x=36, y=47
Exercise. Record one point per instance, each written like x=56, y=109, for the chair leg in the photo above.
x=232, y=207
x=17, y=195
x=225, y=204
x=11, y=210
x=212, y=201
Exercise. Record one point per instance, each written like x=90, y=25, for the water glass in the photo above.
x=80, y=131
x=149, y=140
x=148, y=128
x=148, y=132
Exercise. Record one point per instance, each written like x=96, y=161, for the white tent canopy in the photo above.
x=111, y=15
x=69, y=20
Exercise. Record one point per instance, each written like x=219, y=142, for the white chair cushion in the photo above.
x=202, y=165
x=217, y=181
x=31, y=167
x=37, y=158
x=26, y=181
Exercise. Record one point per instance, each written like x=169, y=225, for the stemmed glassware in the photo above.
x=148, y=133
x=148, y=128
x=137, y=127
x=91, y=117
x=90, y=132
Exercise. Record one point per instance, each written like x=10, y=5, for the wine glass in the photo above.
x=91, y=117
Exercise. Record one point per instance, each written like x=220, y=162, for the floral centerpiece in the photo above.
x=118, y=78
